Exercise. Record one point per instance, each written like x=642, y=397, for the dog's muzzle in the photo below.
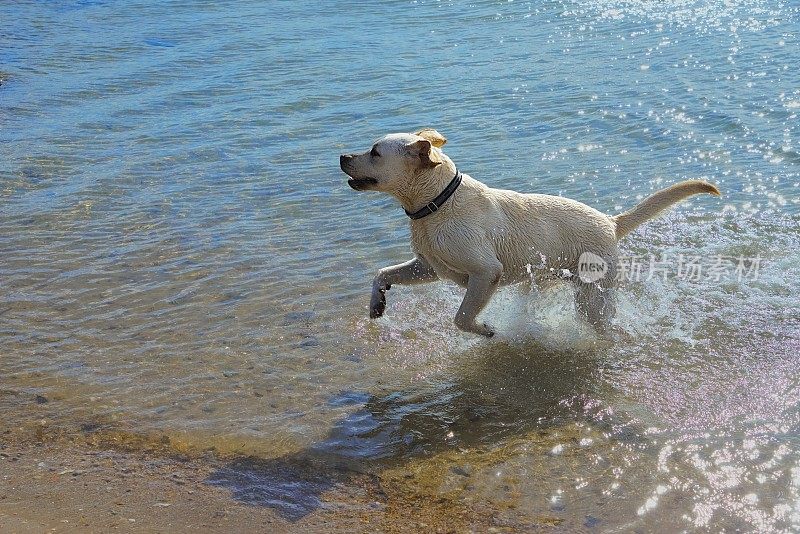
x=359, y=184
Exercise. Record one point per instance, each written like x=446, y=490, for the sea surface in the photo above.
x=180, y=254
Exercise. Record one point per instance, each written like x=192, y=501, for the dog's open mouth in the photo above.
x=361, y=183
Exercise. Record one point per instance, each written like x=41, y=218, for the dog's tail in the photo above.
x=658, y=202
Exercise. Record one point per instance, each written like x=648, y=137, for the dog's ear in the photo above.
x=435, y=138
x=423, y=150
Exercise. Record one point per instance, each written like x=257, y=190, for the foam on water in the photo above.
x=650, y=307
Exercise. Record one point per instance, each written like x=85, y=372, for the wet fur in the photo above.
x=482, y=238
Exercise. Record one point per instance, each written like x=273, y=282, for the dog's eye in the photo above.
x=374, y=152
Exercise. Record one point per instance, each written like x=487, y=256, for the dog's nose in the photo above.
x=344, y=159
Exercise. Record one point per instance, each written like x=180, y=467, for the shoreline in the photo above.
x=86, y=472
x=91, y=473
x=68, y=486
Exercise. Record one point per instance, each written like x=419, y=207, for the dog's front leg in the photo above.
x=480, y=288
x=416, y=271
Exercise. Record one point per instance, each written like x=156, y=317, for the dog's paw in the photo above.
x=482, y=329
x=376, y=309
x=486, y=330
x=377, y=304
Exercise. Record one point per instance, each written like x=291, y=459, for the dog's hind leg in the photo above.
x=416, y=271
x=596, y=305
x=480, y=288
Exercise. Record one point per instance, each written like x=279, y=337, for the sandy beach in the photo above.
x=57, y=479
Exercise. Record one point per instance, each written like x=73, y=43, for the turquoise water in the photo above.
x=180, y=253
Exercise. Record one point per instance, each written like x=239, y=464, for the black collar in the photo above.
x=437, y=202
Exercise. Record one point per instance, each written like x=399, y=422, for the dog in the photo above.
x=481, y=238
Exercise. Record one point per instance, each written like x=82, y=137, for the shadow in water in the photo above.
x=500, y=391
x=292, y=486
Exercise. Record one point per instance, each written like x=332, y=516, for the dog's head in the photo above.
x=392, y=160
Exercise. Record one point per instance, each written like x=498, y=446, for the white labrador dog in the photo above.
x=481, y=238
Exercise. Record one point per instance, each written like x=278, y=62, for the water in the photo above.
x=180, y=255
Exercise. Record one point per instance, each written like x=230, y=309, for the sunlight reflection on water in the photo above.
x=180, y=254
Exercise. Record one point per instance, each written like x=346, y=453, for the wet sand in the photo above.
x=50, y=487
x=62, y=479
x=53, y=487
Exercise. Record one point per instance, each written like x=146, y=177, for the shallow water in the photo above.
x=180, y=254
